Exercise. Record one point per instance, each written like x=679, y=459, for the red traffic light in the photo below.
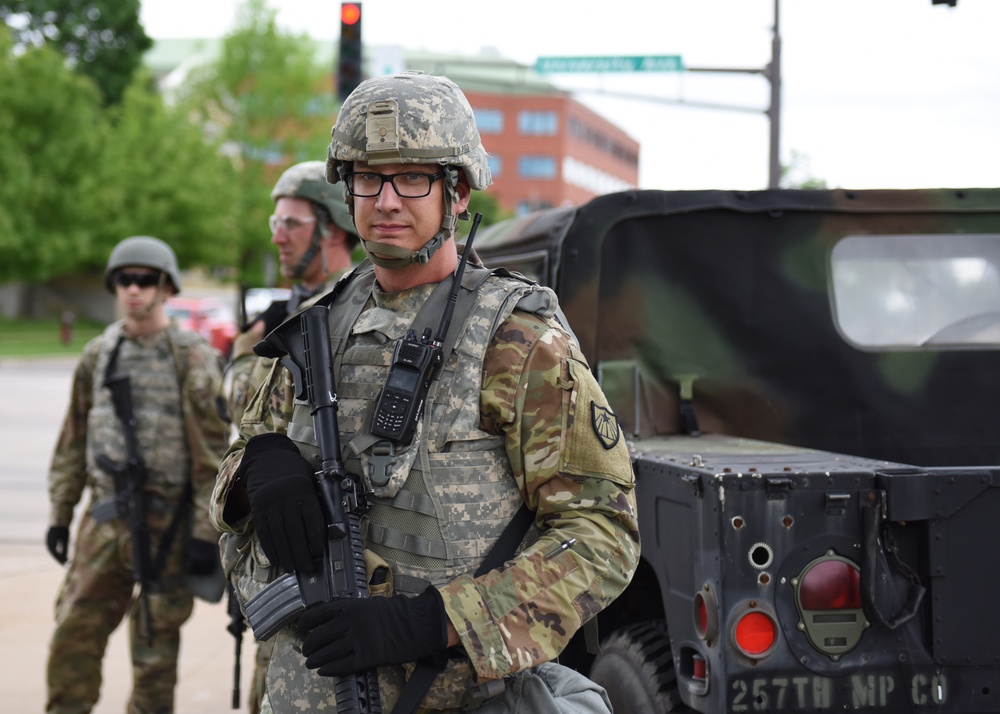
x=350, y=13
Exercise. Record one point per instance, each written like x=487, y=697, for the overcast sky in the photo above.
x=876, y=93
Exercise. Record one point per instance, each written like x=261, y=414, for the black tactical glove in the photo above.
x=57, y=541
x=347, y=636
x=273, y=316
x=283, y=501
x=200, y=556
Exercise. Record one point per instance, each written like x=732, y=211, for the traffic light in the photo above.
x=349, y=56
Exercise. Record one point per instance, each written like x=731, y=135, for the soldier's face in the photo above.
x=293, y=231
x=138, y=291
x=405, y=222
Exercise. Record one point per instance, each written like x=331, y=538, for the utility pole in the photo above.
x=773, y=74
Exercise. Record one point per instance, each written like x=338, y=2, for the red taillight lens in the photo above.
x=755, y=633
x=831, y=585
x=706, y=615
x=699, y=670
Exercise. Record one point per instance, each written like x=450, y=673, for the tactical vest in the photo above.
x=442, y=501
x=154, y=378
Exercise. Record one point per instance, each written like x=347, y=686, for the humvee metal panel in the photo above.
x=818, y=501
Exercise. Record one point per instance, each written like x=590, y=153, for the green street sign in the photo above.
x=661, y=63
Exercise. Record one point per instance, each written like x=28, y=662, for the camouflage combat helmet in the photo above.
x=307, y=180
x=145, y=252
x=410, y=118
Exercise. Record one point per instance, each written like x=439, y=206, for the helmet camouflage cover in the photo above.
x=408, y=118
x=144, y=252
x=307, y=180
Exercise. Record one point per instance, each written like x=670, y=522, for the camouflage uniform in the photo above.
x=502, y=427
x=175, y=378
x=248, y=372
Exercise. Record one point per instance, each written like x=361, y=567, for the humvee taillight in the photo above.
x=755, y=633
x=828, y=598
x=706, y=615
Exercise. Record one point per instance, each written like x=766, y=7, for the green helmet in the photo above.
x=144, y=252
x=308, y=180
x=410, y=118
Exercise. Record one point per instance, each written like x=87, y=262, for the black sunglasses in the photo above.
x=143, y=280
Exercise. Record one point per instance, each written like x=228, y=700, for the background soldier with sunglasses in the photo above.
x=173, y=380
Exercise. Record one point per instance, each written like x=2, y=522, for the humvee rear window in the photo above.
x=909, y=291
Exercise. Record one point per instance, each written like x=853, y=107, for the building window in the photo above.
x=496, y=165
x=602, y=142
x=537, y=123
x=536, y=167
x=489, y=121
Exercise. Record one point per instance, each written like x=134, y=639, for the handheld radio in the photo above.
x=415, y=364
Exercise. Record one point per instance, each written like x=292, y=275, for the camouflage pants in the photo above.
x=93, y=599
x=548, y=688
x=258, y=686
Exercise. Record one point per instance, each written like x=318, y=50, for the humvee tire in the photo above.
x=636, y=668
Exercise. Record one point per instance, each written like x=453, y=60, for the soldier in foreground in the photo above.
x=315, y=236
x=514, y=417
x=143, y=434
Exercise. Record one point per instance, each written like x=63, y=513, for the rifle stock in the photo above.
x=303, y=341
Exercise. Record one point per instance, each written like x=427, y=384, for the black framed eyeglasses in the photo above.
x=408, y=184
x=143, y=280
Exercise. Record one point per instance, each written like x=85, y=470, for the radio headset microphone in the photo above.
x=415, y=364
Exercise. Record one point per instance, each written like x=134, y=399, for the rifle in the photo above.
x=130, y=482
x=237, y=626
x=304, y=342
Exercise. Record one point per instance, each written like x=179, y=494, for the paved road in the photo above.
x=35, y=394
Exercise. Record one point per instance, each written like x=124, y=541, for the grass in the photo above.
x=43, y=338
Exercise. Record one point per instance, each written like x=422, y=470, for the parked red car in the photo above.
x=209, y=317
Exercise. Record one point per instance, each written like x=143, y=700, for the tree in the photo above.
x=48, y=144
x=75, y=178
x=158, y=175
x=263, y=95
x=101, y=39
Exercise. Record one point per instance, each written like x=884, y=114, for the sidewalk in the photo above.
x=29, y=579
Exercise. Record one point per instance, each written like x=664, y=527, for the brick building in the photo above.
x=546, y=149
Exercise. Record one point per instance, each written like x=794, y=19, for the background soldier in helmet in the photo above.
x=514, y=419
x=172, y=379
x=315, y=236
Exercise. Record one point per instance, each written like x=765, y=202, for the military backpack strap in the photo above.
x=503, y=550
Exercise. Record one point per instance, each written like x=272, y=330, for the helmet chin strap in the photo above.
x=401, y=257
x=310, y=253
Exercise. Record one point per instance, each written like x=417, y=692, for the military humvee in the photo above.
x=811, y=384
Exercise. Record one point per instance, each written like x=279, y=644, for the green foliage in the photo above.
x=157, y=175
x=101, y=39
x=485, y=203
x=48, y=147
x=796, y=174
x=264, y=95
x=75, y=178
